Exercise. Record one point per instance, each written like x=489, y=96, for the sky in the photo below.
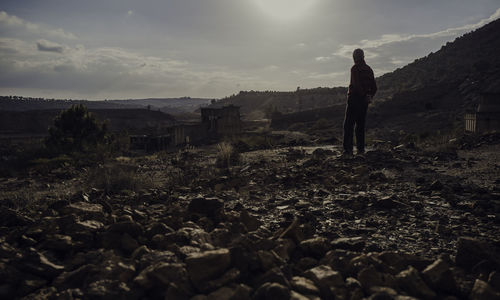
x=122, y=49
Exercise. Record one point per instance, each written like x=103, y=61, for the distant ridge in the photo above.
x=168, y=105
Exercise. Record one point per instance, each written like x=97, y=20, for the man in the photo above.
x=361, y=91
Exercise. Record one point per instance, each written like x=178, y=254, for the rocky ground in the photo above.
x=288, y=223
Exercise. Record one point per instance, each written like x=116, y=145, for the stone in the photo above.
x=11, y=218
x=273, y=275
x=272, y=291
x=229, y=277
x=325, y=279
x=251, y=222
x=85, y=211
x=131, y=228
x=76, y=277
x=410, y=281
x=207, y=265
x=350, y=243
x=439, y=276
x=37, y=263
x=57, y=242
x=108, y=289
x=298, y=296
x=128, y=243
x=206, y=206
x=471, y=251
x=315, y=247
x=494, y=280
x=483, y=291
x=304, y=286
x=369, y=277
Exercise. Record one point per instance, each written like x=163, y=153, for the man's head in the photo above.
x=358, y=55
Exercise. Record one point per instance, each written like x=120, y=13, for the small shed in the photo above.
x=487, y=116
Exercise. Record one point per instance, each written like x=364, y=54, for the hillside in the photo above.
x=427, y=97
x=167, y=105
x=36, y=122
x=256, y=105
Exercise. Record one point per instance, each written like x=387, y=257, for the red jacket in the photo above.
x=362, y=80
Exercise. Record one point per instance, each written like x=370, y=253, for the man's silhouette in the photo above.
x=361, y=91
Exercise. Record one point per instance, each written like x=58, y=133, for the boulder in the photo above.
x=439, y=276
x=315, y=247
x=471, y=251
x=410, y=281
x=207, y=265
x=206, y=206
x=272, y=291
x=85, y=211
x=304, y=286
x=483, y=291
x=350, y=243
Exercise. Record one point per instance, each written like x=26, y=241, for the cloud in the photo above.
x=390, y=51
x=15, y=26
x=47, y=46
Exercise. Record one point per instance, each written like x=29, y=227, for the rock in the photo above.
x=382, y=292
x=294, y=232
x=410, y=281
x=241, y=291
x=304, y=286
x=85, y=211
x=11, y=218
x=83, y=226
x=37, y=263
x=369, y=277
x=387, y=202
x=298, y=296
x=471, y=251
x=207, y=265
x=57, y=242
x=109, y=289
x=351, y=243
x=128, y=244
x=206, y=206
x=315, y=247
x=273, y=275
x=436, y=185
x=158, y=228
x=439, y=276
x=251, y=222
x=129, y=227
x=268, y=259
x=494, y=280
x=75, y=277
x=272, y=291
x=229, y=277
x=483, y=291
x=325, y=278
x=285, y=249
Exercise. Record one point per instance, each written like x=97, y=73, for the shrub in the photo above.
x=75, y=130
x=114, y=178
x=227, y=155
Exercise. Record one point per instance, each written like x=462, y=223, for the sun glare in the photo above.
x=285, y=9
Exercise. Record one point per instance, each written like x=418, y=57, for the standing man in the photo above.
x=361, y=91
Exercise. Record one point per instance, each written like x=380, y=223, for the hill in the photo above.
x=428, y=96
x=257, y=105
x=168, y=105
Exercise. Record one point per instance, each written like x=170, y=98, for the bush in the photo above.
x=227, y=155
x=113, y=178
x=76, y=130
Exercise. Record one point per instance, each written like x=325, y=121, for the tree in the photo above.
x=76, y=130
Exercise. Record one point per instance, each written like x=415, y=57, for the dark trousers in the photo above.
x=355, y=119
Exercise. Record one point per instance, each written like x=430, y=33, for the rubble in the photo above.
x=296, y=223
